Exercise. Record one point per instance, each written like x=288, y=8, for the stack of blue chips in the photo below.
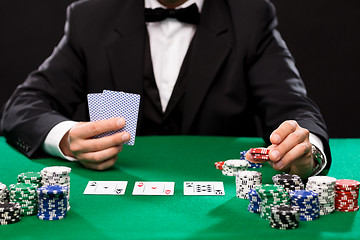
x=52, y=202
x=254, y=201
x=308, y=203
x=251, y=165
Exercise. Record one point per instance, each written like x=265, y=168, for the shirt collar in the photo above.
x=156, y=4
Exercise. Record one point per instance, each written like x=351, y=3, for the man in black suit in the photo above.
x=203, y=75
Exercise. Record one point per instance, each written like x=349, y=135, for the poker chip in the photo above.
x=347, y=195
x=232, y=166
x=284, y=217
x=290, y=182
x=219, y=165
x=251, y=165
x=30, y=178
x=260, y=153
x=271, y=195
x=325, y=187
x=10, y=212
x=24, y=195
x=308, y=203
x=4, y=192
x=57, y=175
x=254, y=201
x=53, y=202
x=246, y=180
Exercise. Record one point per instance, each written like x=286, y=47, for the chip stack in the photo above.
x=260, y=153
x=251, y=165
x=219, y=165
x=325, y=187
x=290, y=182
x=246, y=180
x=30, y=178
x=25, y=195
x=53, y=200
x=271, y=195
x=284, y=217
x=4, y=192
x=347, y=195
x=9, y=212
x=308, y=203
x=232, y=166
x=254, y=201
x=57, y=175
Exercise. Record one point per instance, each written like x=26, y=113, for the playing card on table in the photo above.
x=154, y=188
x=106, y=187
x=204, y=188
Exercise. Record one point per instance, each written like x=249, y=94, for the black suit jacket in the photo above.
x=239, y=67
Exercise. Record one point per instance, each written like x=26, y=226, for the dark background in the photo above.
x=323, y=36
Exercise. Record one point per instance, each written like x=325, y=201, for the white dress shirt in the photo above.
x=169, y=42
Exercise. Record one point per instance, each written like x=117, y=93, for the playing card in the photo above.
x=121, y=104
x=106, y=187
x=110, y=104
x=204, y=188
x=95, y=104
x=154, y=188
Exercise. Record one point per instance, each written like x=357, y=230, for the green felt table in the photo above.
x=177, y=159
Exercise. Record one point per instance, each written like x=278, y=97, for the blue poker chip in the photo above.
x=50, y=218
x=303, y=194
x=53, y=190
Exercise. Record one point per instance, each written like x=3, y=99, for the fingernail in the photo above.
x=276, y=138
x=275, y=154
x=126, y=137
x=120, y=122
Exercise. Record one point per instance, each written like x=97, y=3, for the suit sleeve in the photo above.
x=48, y=96
x=278, y=90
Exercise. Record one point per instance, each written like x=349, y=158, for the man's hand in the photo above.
x=290, y=150
x=98, y=154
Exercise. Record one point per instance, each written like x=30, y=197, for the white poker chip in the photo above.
x=57, y=170
x=236, y=163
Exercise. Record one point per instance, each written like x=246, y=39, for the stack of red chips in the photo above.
x=346, y=195
x=260, y=153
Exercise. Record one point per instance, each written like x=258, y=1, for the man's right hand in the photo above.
x=95, y=153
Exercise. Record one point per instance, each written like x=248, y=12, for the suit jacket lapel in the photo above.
x=211, y=45
x=126, y=53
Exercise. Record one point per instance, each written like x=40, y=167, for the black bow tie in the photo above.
x=187, y=15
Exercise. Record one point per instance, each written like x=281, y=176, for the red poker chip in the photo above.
x=347, y=192
x=219, y=165
x=345, y=204
x=347, y=183
x=261, y=157
x=262, y=151
x=348, y=210
x=346, y=207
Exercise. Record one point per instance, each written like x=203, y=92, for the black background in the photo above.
x=323, y=36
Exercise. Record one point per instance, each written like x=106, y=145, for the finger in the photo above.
x=283, y=131
x=293, y=139
x=100, y=166
x=98, y=144
x=91, y=129
x=99, y=156
x=298, y=157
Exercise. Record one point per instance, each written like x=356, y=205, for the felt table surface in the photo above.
x=176, y=159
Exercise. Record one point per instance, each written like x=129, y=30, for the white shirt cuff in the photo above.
x=51, y=144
